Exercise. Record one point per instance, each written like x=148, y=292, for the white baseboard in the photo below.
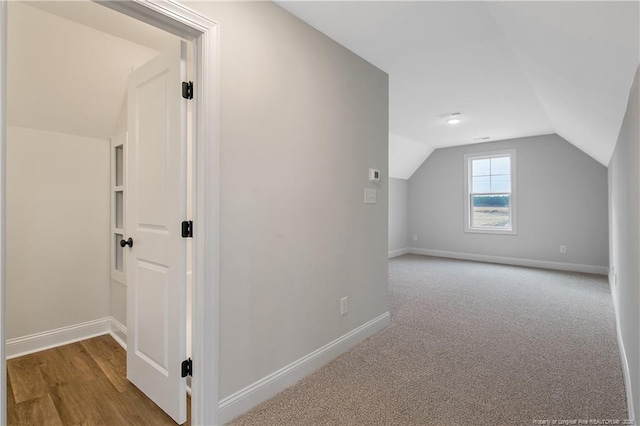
x=265, y=388
x=119, y=332
x=399, y=252
x=544, y=264
x=60, y=336
x=623, y=357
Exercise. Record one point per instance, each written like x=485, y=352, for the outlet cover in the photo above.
x=344, y=306
x=369, y=195
x=415, y=238
x=563, y=249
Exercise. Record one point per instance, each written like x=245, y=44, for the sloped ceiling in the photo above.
x=67, y=77
x=406, y=155
x=511, y=69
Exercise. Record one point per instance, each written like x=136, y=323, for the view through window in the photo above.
x=490, y=190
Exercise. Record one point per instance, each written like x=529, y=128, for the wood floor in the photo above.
x=82, y=383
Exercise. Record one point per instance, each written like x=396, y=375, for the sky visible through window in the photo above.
x=491, y=175
x=491, y=189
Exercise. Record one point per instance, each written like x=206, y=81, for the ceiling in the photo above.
x=67, y=69
x=93, y=15
x=511, y=69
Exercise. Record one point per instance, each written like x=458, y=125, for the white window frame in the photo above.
x=468, y=158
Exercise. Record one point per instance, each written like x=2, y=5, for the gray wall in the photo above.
x=624, y=190
x=57, y=271
x=302, y=120
x=398, y=213
x=561, y=200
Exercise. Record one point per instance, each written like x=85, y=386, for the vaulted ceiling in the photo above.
x=511, y=69
x=68, y=65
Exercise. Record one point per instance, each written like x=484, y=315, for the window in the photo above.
x=490, y=193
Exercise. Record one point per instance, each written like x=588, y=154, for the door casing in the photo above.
x=175, y=18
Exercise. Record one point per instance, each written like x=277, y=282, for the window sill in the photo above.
x=491, y=231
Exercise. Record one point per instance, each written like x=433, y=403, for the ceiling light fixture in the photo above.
x=451, y=118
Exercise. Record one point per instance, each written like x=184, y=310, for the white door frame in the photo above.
x=3, y=172
x=173, y=17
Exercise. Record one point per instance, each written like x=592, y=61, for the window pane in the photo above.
x=481, y=167
x=119, y=166
x=119, y=257
x=500, y=166
x=500, y=183
x=481, y=184
x=491, y=211
x=119, y=209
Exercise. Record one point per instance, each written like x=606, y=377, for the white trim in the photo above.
x=119, y=332
x=623, y=357
x=57, y=337
x=513, y=204
x=544, y=264
x=3, y=169
x=168, y=15
x=64, y=335
x=118, y=140
x=399, y=252
x=182, y=21
x=265, y=388
x=206, y=244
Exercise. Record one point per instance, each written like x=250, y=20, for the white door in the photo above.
x=156, y=206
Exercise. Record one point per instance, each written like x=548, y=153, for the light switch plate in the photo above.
x=369, y=195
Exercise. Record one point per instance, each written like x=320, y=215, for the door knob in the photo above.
x=128, y=242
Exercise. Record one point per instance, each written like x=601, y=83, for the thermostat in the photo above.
x=374, y=175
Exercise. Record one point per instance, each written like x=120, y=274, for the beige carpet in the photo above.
x=470, y=344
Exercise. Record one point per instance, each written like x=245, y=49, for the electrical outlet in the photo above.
x=344, y=306
x=369, y=195
x=415, y=237
x=563, y=249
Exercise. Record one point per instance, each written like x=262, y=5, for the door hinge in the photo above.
x=187, y=89
x=187, y=229
x=187, y=367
